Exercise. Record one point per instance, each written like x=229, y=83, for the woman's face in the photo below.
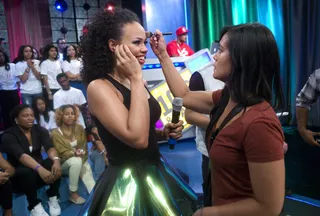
x=223, y=64
x=25, y=118
x=68, y=116
x=27, y=53
x=41, y=106
x=134, y=36
x=71, y=51
x=53, y=53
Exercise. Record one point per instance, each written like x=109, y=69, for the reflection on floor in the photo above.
x=186, y=158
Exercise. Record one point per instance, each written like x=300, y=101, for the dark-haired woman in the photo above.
x=22, y=143
x=43, y=115
x=137, y=181
x=72, y=63
x=9, y=95
x=244, y=137
x=28, y=70
x=50, y=68
x=72, y=66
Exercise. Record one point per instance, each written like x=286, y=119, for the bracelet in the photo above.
x=103, y=151
x=56, y=158
x=37, y=167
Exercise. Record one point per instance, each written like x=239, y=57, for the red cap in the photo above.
x=182, y=30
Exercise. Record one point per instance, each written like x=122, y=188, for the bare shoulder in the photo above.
x=97, y=87
x=102, y=93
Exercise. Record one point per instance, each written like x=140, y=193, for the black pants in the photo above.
x=205, y=170
x=46, y=96
x=28, y=181
x=8, y=100
x=6, y=195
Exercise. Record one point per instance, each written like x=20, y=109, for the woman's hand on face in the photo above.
x=127, y=63
x=158, y=44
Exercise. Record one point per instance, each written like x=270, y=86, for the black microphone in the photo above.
x=150, y=34
x=176, y=109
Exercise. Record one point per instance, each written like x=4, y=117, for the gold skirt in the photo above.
x=142, y=189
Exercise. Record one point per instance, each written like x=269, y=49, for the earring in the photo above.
x=17, y=122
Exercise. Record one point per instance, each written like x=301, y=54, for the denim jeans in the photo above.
x=98, y=163
x=28, y=98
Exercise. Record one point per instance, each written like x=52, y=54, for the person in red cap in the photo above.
x=178, y=47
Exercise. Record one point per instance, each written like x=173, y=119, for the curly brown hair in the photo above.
x=98, y=59
x=59, y=114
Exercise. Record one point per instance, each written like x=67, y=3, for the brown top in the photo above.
x=256, y=136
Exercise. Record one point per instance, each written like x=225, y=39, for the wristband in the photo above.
x=56, y=158
x=37, y=167
x=103, y=151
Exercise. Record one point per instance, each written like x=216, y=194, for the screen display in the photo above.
x=198, y=62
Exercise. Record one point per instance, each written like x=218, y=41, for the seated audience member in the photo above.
x=43, y=116
x=6, y=172
x=23, y=143
x=98, y=151
x=69, y=95
x=28, y=70
x=50, y=68
x=71, y=143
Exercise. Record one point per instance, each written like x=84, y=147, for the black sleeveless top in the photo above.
x=119, y=152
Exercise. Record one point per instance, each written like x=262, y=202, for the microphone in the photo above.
x=149, y=34
x=176, y=109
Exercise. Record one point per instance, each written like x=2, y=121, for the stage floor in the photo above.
x=187, y=159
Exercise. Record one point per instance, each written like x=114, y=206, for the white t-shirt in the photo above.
x=51, y=69
x=48, y=125
x=72, y=96
x=9, y=78
x=74, y=66
x=60, y=57
x=32, y=85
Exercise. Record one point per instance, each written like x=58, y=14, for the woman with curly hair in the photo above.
x=125, y=112
x=70, y=140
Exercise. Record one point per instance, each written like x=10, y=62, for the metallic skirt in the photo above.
x=142, y=189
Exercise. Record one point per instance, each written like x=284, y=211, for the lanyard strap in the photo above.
x=235, y=111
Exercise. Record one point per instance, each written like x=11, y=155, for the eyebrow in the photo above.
x=139, y=38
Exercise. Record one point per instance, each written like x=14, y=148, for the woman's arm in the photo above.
x=72, y=76
x=197, y=119
x=25, y=76
x=268, y=186
x=199, y=101
x=6, y=166
x=63, y=149
x=34, y=68
x=130, y=126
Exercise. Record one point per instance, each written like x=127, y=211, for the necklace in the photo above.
x=68, y=136
x=125, y=83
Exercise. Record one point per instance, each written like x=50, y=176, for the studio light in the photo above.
x=110, y=6
x=61, y=5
